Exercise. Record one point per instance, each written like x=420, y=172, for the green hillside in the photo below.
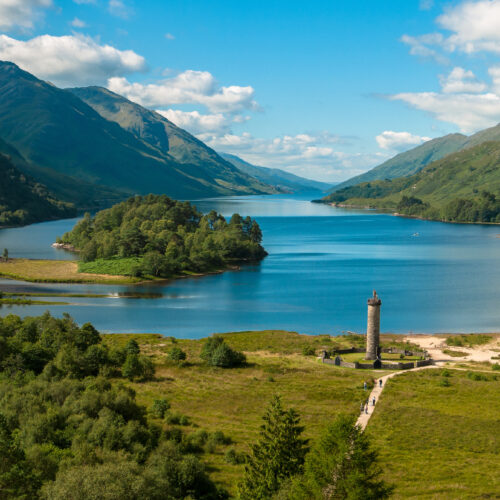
x=410, y=162
x=65, y=138
x=23, y=200
x=280, y=179
x=462, y=187
x=197, y=159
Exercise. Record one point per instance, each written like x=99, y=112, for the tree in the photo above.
x=342, y=465
x=132, y=367
x=5, y=254
x=278, y=455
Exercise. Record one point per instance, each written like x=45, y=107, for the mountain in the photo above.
x=23, y=200
x=196, y=159
x=280, y=179
x=413, y=160
x=67, y=144
x=463, y=187
x=410, y=162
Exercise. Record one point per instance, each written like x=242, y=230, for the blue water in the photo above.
x=323, y=264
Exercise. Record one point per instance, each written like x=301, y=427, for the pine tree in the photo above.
x=341, y=465
x=278, y=455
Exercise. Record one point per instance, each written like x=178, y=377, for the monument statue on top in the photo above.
x=373, y=327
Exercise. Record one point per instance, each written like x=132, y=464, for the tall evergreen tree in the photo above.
x=278, y=455
x=342, y=465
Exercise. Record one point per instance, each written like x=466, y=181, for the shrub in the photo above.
x=308, y=350
x=176, y=354
x=217, y=353
x=233, y=457
x=444, y=382
x=496, y=366
x=176, y=419
x=159, y=408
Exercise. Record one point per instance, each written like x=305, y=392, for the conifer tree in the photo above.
x=278, y=455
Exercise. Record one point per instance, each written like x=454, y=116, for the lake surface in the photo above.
x=323, y=264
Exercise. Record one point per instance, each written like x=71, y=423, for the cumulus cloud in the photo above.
x=21, y=13
x=460, y=80
x=470, y=112
x=197, y=123
x=399, y=141
x=475, y=26
x=315, y=156
x=70, y=60
x=188, y=87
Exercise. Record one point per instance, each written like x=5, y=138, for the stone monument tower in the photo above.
x=373, y=327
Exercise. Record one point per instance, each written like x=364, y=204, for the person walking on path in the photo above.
x=366, y=409
x=364, y=386
x=362, y=407
x=373, y=402
x=380, y=382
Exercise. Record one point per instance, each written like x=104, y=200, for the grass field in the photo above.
x=438, y=435
x=436, y=439
x=233, y=400
x=55, y=271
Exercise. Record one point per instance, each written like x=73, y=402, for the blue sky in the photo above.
x=323, y=89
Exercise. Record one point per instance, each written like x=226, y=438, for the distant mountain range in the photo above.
x=280, y=179
x=93, y=147
x=463, y=186
x=414, y=160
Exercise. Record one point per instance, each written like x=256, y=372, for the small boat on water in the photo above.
x=416, y=235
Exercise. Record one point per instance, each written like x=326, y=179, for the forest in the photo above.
x=156, y=236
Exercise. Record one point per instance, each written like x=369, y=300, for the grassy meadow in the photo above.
x=436, y=439
x=438, y=434
x=55, y=271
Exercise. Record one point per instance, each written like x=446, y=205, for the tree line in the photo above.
x=169, y=237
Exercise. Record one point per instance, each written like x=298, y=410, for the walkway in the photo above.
x=377, y=391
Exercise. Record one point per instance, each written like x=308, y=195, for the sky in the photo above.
x=323, y=89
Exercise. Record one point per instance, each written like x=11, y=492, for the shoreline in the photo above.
x=404, y=216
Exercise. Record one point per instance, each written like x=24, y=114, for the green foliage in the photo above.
x=24, y=201
x=68, y=431
x=461, y=187
x=216, y=352
x=159, y=408
x=278, y=455
x=132, y=347
x=308, y=350
x=342, y=464
x=176, y=354
x=470, y=340
x=5, y=254
x=160, y=237
x=233, y=457
x=138, y=367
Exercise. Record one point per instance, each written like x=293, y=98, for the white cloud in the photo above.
x=470, y=112
x=78, y=23
x=460, y=80
x=399, y=141
x=310, y=155
x=475, y=26
x=21, y=13
x=188, y=87
x=69, y=60
x=197, y=123
x=169, y=36
x=422, y=46
x=119, y=9
x=80, y=2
